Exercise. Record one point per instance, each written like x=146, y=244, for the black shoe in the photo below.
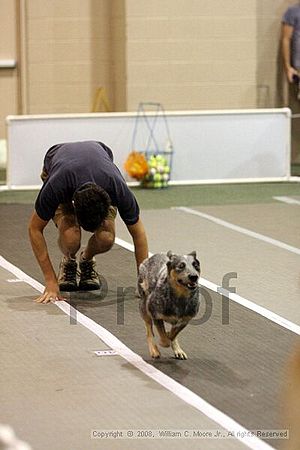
x=67, y=274
x=89, y=279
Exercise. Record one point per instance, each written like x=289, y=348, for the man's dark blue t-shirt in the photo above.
x=69, y=166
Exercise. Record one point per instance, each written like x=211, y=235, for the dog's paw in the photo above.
x=154, y=352
x=180, y=354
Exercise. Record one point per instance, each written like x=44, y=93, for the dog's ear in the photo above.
x=169, y=264
x=193, y=253
x=170, y=255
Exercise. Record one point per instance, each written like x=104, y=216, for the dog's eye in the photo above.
x=181, y=266
x=196, y=265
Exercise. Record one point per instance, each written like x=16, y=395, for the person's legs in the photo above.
x=69, y=239
x=100, y=242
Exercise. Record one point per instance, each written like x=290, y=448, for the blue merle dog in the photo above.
x=169, y=291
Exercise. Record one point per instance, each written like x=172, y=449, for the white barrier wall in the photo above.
x=208, y=146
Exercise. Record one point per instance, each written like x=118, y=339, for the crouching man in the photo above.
x=82, y=189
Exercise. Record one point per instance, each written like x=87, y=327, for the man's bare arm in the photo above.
x=139, y=237
x=39, y=247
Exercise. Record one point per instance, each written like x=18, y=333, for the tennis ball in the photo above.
x=152, y=161
x=153, y=171
x=157, y=184
x=157, y=177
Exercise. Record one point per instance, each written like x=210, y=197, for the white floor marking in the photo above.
x=289, y=200
x=106, y=353
x=137, y=361
x=245, y=231
x=270, y=315
x=125, y=244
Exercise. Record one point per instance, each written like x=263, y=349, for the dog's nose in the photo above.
x=193, y=278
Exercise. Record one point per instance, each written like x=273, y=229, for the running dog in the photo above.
x=169, y=292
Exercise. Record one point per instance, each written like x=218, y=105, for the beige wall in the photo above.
x=119, y=55
x=191, y=54
x=186, y=54
x=8, y=50
x=67, y=54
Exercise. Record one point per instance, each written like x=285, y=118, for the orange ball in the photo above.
x=136, y=165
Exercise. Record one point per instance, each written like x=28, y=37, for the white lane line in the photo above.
x=189, y=397
x=270, y=315
x=289, y=200
x=125, y=244
x=245, y=231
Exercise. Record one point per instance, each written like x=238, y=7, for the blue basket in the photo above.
x=159, y=161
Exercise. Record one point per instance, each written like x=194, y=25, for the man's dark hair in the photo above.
x=91, y=204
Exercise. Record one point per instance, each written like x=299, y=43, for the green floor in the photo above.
x=212, y=194
x=218, y=194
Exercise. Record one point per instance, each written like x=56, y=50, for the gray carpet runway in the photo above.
x=237, y=367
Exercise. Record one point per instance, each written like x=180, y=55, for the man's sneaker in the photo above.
x=67, y=274
x=89, y=279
